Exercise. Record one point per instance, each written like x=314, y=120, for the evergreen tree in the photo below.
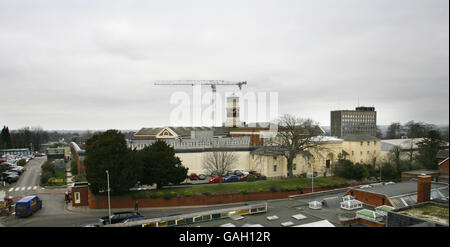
x=428, y=149
x=108, y=151
x=160, y=165
x=5, y=139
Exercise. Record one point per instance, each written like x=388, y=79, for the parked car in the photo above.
x=193, y=176
x=133, y=218
x=117, y=217
x=7, y=164
x=238, y=173
x=17, y=169
x=231, y=178
x=216, y=179
x=12, y=178
x=254, y=173
x=202, y=176
x=27, y=206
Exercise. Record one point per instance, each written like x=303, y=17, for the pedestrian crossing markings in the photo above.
x=22, y=188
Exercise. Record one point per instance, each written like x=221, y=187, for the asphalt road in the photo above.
x=54, y=212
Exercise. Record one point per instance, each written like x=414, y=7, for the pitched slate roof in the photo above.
x=183, y=131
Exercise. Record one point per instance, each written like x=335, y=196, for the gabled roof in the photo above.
x=182, y=131
x=442, y=162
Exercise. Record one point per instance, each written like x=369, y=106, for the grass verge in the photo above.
x=289, y=184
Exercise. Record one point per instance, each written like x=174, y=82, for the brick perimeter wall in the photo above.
x=362, y=221
x=101, y=202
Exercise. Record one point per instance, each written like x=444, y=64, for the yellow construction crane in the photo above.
x=212, y=83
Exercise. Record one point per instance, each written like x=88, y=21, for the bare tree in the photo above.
x=295, y=136
x=219, y=162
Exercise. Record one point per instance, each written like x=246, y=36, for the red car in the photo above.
x=193, y=176
x=216, y=179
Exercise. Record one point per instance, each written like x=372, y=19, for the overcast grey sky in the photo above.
x=91, y=64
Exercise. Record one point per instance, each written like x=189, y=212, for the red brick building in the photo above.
x=399, y=195
x=443, y=168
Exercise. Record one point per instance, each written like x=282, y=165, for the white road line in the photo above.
x=23, y=188
x=17, y=189
x=35, y=187
x=29, y=188
x=10, y=190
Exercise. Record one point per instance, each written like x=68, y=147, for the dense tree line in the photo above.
x=34, y=137
x=412, y=129
x=425, y=157
x=155, y=164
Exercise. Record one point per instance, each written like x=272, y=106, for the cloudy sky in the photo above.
x=91, y=64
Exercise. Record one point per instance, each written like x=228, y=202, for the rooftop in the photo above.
x=429, y=212
x=420, y=172
x=183, y=131
x=359, y=138
x=396, y=189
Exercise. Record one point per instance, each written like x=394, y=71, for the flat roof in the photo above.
x=429, y=212
x=402, y=188
x=419, y=172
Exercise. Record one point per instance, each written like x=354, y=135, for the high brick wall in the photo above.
x=100, y=201
x=362, y=221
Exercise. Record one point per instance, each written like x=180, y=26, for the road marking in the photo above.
x=29, y=188
x=10, y=190
x=35, y=187
x=23, y=188
x=17, y=189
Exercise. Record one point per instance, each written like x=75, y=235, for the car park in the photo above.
x=231, y=178
x=117, y=217
x=216, y=179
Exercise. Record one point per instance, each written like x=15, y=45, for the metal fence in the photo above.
x=184, y=219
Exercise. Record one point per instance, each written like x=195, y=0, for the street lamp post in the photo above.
x=312, y=178
x=109, y=199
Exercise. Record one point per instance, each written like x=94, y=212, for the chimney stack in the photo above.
x=423, y=188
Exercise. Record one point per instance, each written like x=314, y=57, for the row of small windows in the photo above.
x=358, y=116
x=361, y=152
x=368, y=143
x=294, y=166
